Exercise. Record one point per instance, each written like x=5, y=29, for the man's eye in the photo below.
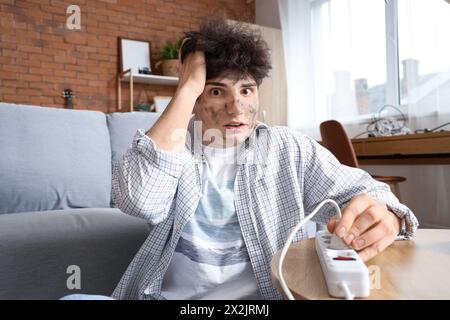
x=216, y=92
x=246, y=91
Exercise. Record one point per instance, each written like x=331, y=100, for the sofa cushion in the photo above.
x=53, y=159
x=123, y=126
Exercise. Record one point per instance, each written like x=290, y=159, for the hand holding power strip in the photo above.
x=345, y=273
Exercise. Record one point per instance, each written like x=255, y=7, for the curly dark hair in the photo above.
x=231, y=49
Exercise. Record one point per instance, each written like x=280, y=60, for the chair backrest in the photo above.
x=335, y=139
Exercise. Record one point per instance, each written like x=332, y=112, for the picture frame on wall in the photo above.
x=135, y=55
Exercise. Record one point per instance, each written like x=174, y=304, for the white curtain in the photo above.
x=335, y=61
x=296, y=30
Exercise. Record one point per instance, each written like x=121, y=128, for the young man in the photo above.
x=223, y=190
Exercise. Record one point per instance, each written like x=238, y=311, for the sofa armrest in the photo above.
x=37, y=249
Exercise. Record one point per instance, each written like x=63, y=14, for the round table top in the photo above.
x=416, y=269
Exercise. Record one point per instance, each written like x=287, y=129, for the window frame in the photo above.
x=392, y=54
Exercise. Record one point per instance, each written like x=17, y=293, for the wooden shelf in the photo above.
x=151, y=79
x=127, y=76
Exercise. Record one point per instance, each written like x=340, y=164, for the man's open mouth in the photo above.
x=234, y=125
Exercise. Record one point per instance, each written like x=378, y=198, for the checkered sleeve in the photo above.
x=324, y=177
x=145, y=179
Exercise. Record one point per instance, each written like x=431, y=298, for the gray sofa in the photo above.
x=58, y=228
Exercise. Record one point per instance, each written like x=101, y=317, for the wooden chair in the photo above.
x=335, y=139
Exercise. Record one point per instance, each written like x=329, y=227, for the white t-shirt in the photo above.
x=211, y=260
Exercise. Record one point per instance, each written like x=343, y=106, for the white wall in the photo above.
x=273, y=90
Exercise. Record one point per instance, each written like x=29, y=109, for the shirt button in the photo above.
x=178, y=226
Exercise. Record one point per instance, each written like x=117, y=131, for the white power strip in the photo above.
x=345, y=273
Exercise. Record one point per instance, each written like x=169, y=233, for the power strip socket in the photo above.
x=341, y=266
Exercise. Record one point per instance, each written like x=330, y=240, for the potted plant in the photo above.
x=168, y=56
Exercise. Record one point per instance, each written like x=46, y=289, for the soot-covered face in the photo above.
x=228, y=110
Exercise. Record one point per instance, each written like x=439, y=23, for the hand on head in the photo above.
x=192, y=74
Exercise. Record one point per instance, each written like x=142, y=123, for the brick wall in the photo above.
x=40, y=57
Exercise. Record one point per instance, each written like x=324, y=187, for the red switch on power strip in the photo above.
x=342, y=258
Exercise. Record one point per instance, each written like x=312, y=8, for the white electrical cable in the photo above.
x=291, y=236
x=346, y=289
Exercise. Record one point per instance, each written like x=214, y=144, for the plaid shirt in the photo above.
x=281, y=176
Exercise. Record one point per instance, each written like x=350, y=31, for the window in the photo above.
x=368, y=53
x=349, y=54
x=424, y=55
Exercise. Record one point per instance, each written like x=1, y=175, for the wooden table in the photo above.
x=417, y=269
x=420, y=148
